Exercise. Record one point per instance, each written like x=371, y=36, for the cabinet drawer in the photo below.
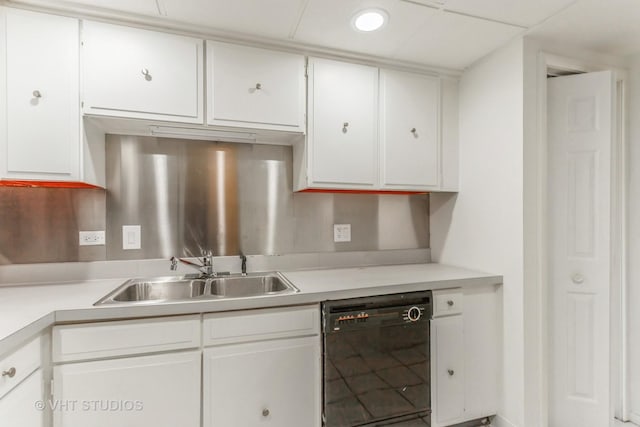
x=245, y=326
x=19, y=365
x=447, y=302
x=109, y=339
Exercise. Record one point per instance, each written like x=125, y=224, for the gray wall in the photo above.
x=189, y=196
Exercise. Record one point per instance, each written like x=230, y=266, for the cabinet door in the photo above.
x=275, y=383
x=255, y=88
x=42, y=98
x=343, y=137
x=481, y=345
x=448, y=369
x=20, y=407
x=160, y=390
x=409, y=134
x=135, y=73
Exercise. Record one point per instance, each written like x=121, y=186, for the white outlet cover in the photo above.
x=92, y=238
x=131, y=237
x=341, y=232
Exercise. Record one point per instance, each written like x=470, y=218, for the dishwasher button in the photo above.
x=414, y=314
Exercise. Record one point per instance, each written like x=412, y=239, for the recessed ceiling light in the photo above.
x=369, y=20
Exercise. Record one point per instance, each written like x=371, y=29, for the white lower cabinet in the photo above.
x=105, y=376
x=24, y=406
x=259, y=367
x=265, y=383
x=448, y=370
x=464, y=354
x=263, y=368
x=161, y=390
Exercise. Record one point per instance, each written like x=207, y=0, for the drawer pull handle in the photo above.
x=258, y=86
x=450, y=372
x=345, y=125
x=37, y=94
x=10, y=373
x=265, y=412
x=414, y=131
x=450, y=303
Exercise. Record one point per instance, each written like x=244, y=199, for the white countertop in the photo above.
x=26, y=310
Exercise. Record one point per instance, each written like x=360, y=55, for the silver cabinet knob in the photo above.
x=450, y=372
x=345, y=125
x=258, y=86
x=10, y=373
x=37, y=94
x=414, y=131
x=265, y=412
x=450, y=303
x=147, y=75
x=577, y=278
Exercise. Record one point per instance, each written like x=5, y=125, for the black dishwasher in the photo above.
x=376, y=361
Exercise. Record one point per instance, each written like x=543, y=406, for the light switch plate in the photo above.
x=131, y=237
x=92, y=238
x=341, y=232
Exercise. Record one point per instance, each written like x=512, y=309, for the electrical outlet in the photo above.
x=341, y=232
x=92, y=238
x=131, y=237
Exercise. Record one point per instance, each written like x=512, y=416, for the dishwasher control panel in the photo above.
x=377, y=311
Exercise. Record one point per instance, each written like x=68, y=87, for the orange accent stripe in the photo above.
x=46, y=184
x=337, y=190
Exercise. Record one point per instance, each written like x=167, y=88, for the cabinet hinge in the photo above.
x=51, y=391
x=306, y=68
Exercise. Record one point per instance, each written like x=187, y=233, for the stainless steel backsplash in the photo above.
x=190, y=196
x=42, y=224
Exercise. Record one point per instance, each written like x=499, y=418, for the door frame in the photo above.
x=619, y=390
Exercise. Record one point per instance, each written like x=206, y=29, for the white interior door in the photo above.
x=580, y=134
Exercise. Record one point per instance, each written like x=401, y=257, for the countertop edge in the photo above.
x=120, y=312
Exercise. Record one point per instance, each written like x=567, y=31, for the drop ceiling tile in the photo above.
x=268, y=18
x=609, y=27
x=328, y=23
x=139, y=7
x=455, y=41
x=519, y=12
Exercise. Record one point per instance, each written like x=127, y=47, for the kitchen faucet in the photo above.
x=205, y=269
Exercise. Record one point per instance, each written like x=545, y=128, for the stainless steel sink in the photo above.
x=249, y=286
x=186, y=288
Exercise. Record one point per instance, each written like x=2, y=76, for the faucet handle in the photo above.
x=174, y=263
x=243, y=259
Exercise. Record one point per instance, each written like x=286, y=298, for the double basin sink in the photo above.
x=188, y=288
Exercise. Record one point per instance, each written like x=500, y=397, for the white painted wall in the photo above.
x=482, y=226
x=633, y=239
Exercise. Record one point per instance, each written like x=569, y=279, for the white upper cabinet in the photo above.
x=142, y=74
x=343, y=125
x=255, y=88
x=409, y=130
x=398, y=135
x=39, y=110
